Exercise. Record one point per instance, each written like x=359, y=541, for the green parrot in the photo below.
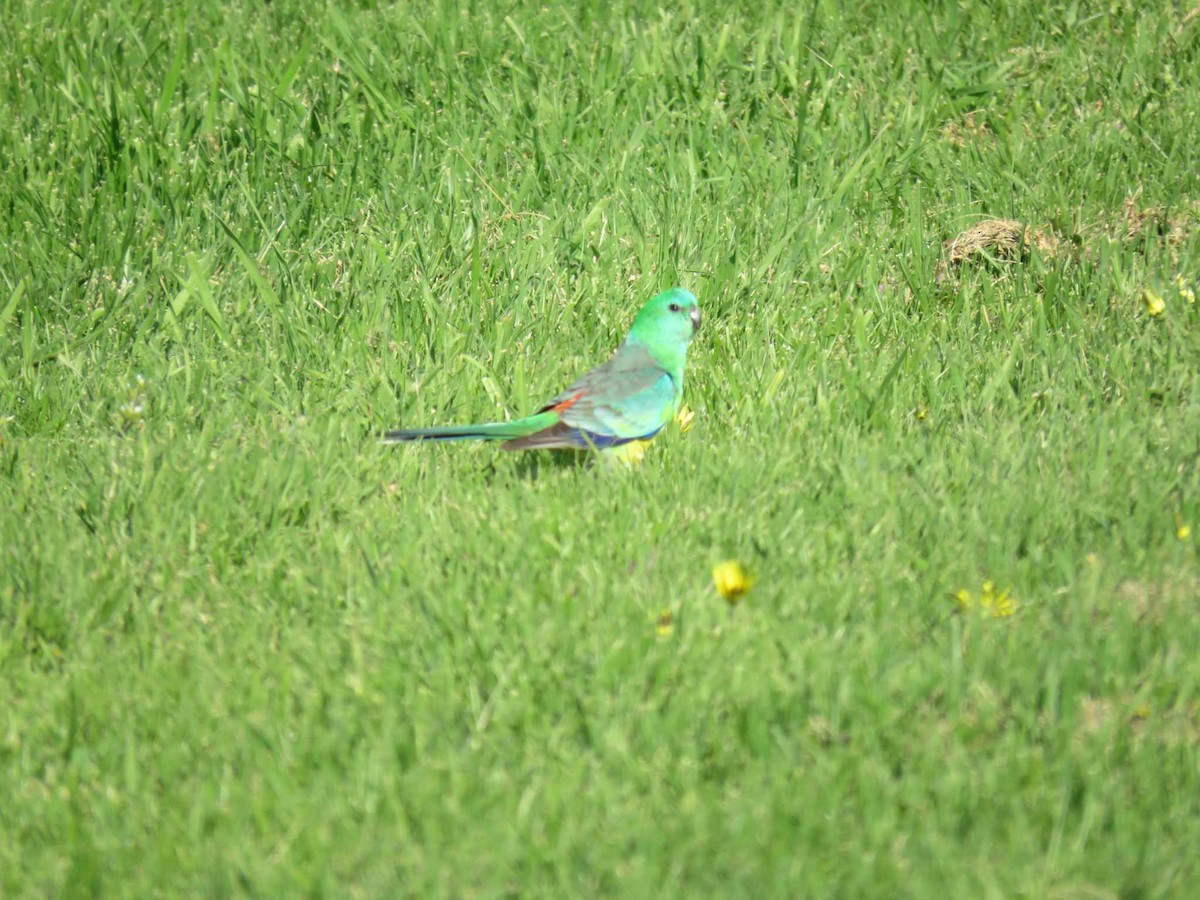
x=625, y=400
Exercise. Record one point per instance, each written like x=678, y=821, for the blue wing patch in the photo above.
x=589, y=440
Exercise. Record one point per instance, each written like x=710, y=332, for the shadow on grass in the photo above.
x=531, y=466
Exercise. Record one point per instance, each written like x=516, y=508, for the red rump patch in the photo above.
x=568, y=403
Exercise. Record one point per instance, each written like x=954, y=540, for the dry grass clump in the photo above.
x=997, y=240
x=1005, y=239
x=967, y=129
x=1136, y=223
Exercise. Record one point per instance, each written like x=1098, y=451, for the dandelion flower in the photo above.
x=685, y=417
x=1185, y=290
x=1183, y=531
x=1155, y=305
x=732, y=581
x=664, y=623
x=990, y=601
x=1001, y=604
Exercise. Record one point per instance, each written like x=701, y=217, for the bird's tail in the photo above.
x=492, y=431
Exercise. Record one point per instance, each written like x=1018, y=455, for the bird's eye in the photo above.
x=674, y=307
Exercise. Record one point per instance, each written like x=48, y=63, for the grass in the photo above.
x=247, y=651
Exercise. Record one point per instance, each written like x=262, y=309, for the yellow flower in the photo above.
x=1185, y=291
x=1155, y=305
x=1183, y=531
x=999, y=604
x=664, y=623
x=732, y=581
x=685, y=417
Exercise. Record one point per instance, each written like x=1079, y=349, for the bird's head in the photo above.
x=670, y=317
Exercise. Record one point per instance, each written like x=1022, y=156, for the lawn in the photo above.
x=248, y=650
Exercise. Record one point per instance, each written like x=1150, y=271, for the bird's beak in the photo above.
x=695, y=320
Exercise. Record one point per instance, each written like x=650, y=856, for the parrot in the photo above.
x=624, y=401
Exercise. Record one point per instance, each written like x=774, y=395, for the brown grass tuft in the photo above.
x=1138, y=222
x=993, y=240
x=959, y=132
x=1002, y=238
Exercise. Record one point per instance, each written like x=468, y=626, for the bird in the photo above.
x=616, y=407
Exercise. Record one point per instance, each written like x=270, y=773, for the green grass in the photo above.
x=246, y=650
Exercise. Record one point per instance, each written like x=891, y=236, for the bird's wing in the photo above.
x=625, y=399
